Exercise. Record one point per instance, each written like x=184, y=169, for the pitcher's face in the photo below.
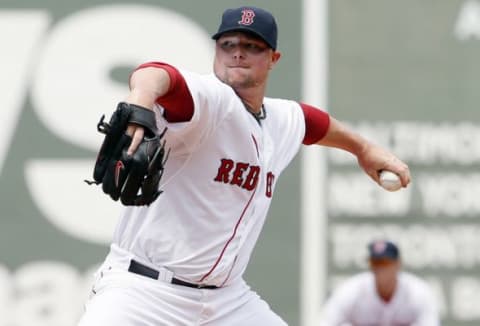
x=242, y=60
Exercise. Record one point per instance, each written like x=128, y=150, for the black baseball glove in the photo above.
x=132, y=179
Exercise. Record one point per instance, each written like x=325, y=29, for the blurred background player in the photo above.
x=383, y=296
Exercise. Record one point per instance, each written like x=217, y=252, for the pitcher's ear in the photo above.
x=276, y=55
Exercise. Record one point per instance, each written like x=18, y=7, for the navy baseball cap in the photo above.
x=383, y=249
x=252, y=20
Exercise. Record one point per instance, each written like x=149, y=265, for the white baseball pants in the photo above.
x=123, y=298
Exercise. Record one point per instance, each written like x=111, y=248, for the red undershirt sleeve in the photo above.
x=316, y=124
x=178, y=101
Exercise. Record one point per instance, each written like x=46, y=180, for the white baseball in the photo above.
x=390, y=181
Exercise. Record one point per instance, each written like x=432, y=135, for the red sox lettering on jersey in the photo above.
x=243, y=175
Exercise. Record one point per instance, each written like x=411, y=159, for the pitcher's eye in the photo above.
x=227, y=45
x=254, y=47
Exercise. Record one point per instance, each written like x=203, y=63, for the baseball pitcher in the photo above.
x=182, y=244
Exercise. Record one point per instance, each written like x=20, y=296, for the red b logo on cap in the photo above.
x=247, y=17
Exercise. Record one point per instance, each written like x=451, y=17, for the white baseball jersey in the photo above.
x=357, y=303
x=217, y=185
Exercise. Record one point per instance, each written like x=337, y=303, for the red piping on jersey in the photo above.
x=256, y=145
x=230, y=272
x=231, y=238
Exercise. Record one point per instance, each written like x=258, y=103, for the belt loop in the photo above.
x=165, y=275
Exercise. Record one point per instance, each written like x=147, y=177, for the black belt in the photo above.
x=138, y=268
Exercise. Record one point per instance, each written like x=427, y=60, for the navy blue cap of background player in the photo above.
x=383, y=249
x=252, y=20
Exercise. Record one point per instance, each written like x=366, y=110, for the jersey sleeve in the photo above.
x=192, y=108
x=177, y=103
x=316, y=124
